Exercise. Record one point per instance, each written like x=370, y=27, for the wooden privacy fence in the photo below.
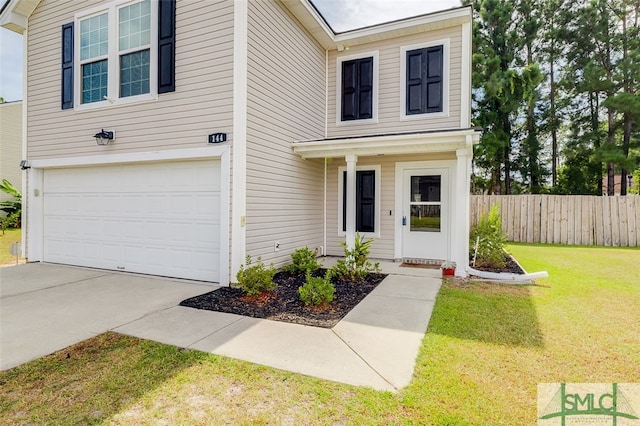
x=565, y=219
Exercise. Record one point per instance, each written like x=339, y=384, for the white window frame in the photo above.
x=113, y=58
x=445, y=43
x=377, y=170
x=374, y=107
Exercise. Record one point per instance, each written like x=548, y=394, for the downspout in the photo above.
x=25, y=174
x=326, y=114
x=324, y=208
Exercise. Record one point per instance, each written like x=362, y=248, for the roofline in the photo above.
x=14, y=14
x=423, y=16
x=392, y=144
x=316, y=24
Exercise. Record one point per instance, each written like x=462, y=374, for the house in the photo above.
x=241, y=128
x=10, y=145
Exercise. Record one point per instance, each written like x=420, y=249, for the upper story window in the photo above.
x=424, y=76
x=115, y=60
x=122, y=52
x=357, y=90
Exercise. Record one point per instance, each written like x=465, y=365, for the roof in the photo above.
x=315, y=23
x=14, y=15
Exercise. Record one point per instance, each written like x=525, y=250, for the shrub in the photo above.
x=303, y=260
x=491, y=239
x=356, y=265
x=13, y=208
x=255, y=279
x=317, y=290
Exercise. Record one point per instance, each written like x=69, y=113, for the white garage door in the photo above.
x=153, y=218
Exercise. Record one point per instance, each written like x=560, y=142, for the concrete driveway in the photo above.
x=45, y=308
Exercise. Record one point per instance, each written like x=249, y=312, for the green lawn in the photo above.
x=10, y=236
x=487, y=348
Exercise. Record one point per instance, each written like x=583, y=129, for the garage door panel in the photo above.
x=160, y=218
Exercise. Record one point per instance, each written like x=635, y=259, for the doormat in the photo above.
x=420, y=265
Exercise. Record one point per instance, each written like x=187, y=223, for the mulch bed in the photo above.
x=512, y=267
x=284, y=304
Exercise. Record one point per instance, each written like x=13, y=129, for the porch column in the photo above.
x=351, y=160
x=460, y=229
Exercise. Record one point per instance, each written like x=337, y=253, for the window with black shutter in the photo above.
x=365, y=200
x=357, y=89
x=130, y=58
x=424, y=80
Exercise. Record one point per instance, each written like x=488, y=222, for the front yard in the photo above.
x=9, y=237
x=487, y=348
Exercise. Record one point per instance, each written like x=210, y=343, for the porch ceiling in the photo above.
x=412, y=143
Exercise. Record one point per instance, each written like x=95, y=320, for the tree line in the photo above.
x=556, y=91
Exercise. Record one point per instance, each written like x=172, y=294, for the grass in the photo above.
x=487, y=348
x=9, y=237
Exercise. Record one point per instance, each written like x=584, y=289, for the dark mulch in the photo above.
x=283, y=304
x=512, y=267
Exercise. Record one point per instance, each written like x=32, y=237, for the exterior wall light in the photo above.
x=104, y=137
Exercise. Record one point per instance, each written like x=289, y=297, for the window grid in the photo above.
x=134, y=73
x=94, y=81
x=94, y=36
x=134, y=24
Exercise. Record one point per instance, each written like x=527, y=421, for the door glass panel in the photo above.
x=425, y=203
x=425, y=189
x=425, y=218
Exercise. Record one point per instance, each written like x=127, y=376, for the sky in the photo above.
x=342, y=15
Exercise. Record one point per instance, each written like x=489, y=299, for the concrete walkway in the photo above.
x=375, y=345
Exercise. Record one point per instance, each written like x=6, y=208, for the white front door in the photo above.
x=425, y=216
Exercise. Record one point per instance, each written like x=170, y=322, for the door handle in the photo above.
x=404, y=221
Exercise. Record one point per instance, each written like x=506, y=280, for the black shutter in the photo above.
x=349, y=90
x=424, y=80
x=66, y=86
x=365, y=88
x=357, y=89
x=344, y=201
x=415, y=87
x=434, y=79
x=166, y=46
x=365, y=201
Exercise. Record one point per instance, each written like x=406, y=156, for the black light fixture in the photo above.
x=104, y=137
x=24, y=165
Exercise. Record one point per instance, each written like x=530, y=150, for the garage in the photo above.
x=152, y=218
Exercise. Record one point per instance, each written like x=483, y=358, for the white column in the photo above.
x=239, y=141
x=351, y=199
x=460, y=249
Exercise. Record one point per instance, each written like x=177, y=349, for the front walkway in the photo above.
x=375, y=345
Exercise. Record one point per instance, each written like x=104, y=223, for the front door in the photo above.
x=425, y=216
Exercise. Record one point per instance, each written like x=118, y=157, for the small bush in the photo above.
x=303, y=260
x=356, y=265
x=255, y=279
x=491, y=240
x=317, y=290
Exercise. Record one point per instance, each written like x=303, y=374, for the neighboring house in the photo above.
x=10, y=146
x=617, y=184
x=327, y=134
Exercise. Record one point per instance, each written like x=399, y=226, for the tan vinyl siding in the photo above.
x=383, y=246
x=286, y=102
x=10, y=146
x=201, y=104
x=389, y=87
